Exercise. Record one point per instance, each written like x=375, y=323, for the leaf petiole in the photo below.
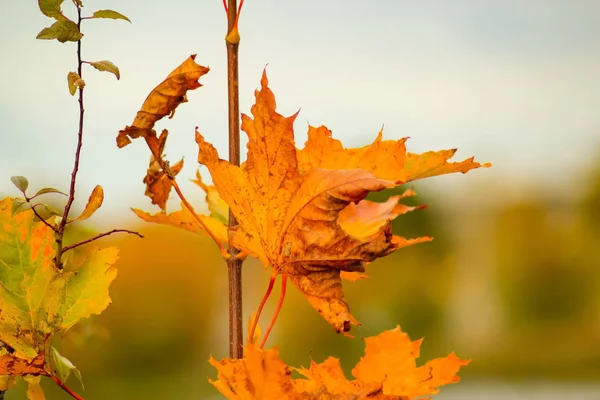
x=66, y=388
x=261, y=305
x=277, y=309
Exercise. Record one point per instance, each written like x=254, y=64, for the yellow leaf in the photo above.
x=7, y=382
x=37, y=300
x=34, y=390
x=94, y=202
x=107, y=66
x=74, y=81
x=185, y=220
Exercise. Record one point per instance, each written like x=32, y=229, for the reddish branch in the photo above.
x=63, y=223
x=40, y=217
x=60, y=229
x=66, y=388
x=101, y=235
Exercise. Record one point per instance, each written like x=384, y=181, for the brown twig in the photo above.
x=63, y=223
x=234, y=265
x=54, y=228
x=101, y=235
x=197, y=217
x=66, y=388
x=164, y=165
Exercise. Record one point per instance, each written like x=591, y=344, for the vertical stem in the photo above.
x=234, y=265
x=63, y=223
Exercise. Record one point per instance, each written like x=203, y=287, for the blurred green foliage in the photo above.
x=542, y=278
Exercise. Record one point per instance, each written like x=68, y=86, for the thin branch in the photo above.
x=66, y=388
x=63, y=223
x=101, y=235
x=197, y=217
x=234, y=265
x=164, y=165
x=54, y=228
x=28, y=200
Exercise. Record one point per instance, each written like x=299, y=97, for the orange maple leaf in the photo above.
x=386, y=159
x=387, y=371
x=303, y=211
x=13, y=365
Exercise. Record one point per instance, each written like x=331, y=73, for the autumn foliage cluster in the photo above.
x=303, y=213
x=300, y=211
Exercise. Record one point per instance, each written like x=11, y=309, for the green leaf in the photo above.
x=110, y=14
x=20, y=182
x=51, y=8
x=108, y=66
x=48, y=190
x=62, y=367
x=75, y=82
x=45, y=213
x=64, y=31
x=37, y=299
x=78, y=3
x=94, y=202
x=19, y=205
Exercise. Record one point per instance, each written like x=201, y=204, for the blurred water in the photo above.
x=498, y=390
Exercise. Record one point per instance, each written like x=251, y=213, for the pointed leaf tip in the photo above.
x=93, y=204
x=110, y=14
x=108, y=66
x=49, y=190
x=20, y=182
x=52, y=8
x=264, y=80
x=63, y=367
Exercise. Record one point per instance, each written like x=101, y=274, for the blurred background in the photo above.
x=512, y=279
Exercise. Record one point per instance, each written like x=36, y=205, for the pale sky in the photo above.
x=512, y=82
